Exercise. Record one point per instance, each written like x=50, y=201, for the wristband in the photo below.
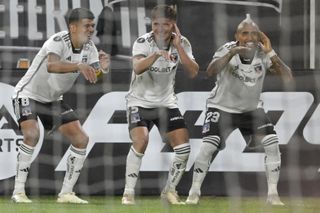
x=271, y=54
x=105, y=71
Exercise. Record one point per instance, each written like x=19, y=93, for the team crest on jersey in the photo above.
x=258, y=68
x=84, y=59
x=174, y=57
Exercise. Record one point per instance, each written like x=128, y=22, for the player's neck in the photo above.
x=76, y=45
x=163, y=44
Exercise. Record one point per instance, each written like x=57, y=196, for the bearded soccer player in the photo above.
x=151, y=99
x=240, y=67
x=39, y=94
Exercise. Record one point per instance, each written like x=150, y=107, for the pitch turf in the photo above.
x=153, y=204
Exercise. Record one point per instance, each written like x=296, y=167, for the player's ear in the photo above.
x=236, y=37
x=72, y=27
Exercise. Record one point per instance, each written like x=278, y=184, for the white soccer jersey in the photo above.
x=155, y=87
x=42, y=86
x=238, y=86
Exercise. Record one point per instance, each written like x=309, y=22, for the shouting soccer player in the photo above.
x=62, y=58
x=240, y=67
x=151, y=99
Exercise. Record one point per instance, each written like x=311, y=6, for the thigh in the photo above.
x=74, y=132
x=169, y=120
x=177, y=137
x=256, y=123
x=139, y=117
x=60, y=114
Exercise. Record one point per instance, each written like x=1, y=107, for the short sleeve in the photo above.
x=55, y=45
x=220, y=52
x=187, y=47
x=140, y=47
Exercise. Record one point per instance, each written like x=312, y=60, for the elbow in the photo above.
x=50, y=68
x=194, y=72
x=136, y=70
x=210, y=72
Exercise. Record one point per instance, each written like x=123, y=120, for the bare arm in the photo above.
x=55, y=65
x=278, y=66
x=281, y=69
x=217, y=65
x=141, y=63
x=104, y=60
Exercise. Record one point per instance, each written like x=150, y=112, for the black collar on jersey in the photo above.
x=246, y=60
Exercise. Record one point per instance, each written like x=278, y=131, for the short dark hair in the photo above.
x=163, y=11
x=79, y=13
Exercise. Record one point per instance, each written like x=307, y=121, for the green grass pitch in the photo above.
x=151, y=204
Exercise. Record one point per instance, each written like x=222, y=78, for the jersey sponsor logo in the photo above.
x=101, y=129
x=157, y=69
x=246, y=79
x=10, y=135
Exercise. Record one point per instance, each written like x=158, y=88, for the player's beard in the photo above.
x=85, y=38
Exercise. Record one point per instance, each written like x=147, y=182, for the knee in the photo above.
x=140, y=143
x=31, y=136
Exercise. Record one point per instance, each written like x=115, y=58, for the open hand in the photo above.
x=264, y=43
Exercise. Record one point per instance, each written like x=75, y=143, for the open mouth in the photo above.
x=250, y=44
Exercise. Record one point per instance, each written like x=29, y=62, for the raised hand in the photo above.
x=104, y=60
x=264, y=43
x=176, y=41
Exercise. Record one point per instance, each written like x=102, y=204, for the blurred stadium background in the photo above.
x=293, y=27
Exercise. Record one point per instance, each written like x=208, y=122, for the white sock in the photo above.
x=272, y=162
x=23, y=166
x=178, y=166
x=134, y=159
x=202, y=163
x=74, y=165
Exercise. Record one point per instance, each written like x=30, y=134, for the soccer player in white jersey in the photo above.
x=62, y=58
x=240, y=67
x=151, y=99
